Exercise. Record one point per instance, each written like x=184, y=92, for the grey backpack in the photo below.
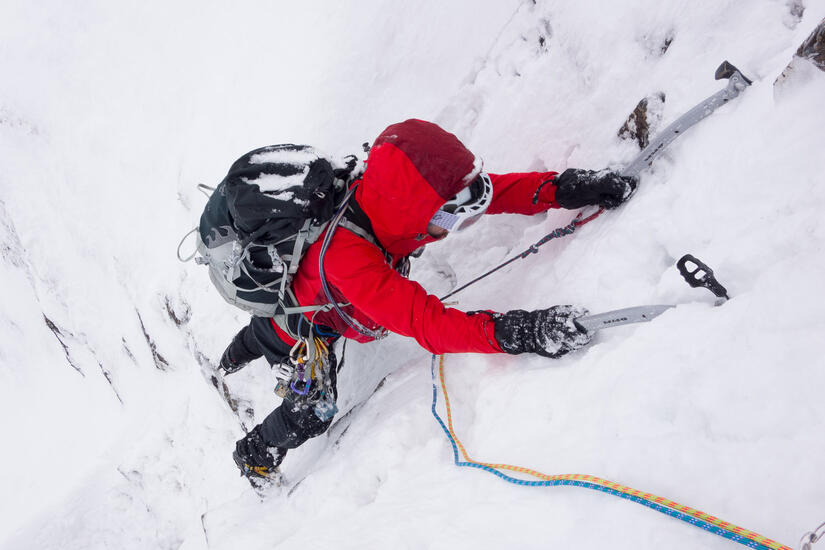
x=259, y=221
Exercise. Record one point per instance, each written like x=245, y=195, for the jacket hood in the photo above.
x=413, y=168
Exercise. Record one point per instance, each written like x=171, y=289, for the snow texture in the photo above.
x=278, y=185
x=117, y=432
x=285, y=156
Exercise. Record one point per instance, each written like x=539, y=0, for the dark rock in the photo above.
x=179, y=312
x=545, y=32
x=656, y=43
x=665, y=45
x=61, y=336
x=811, y=50
x=160, y=362
x=644, y=119
x=796, y=9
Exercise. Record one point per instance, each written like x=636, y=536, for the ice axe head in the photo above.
x=729, y=71
x=697, y=274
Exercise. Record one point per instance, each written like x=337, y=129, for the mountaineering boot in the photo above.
x=239, y=352
x=228, y=364
x=257, y=461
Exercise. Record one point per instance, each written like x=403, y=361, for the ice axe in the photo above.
x=693, y=270
x=737, y=82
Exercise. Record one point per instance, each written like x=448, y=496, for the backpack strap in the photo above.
x=348, y=319
x=288, y=306
x=300, y=239
x=361, y=232
x=357, y=221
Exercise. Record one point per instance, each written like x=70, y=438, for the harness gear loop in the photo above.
x=309, y=377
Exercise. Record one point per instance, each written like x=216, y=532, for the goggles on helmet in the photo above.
x=467, y=207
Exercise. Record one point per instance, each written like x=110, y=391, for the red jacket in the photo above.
x=414, y=167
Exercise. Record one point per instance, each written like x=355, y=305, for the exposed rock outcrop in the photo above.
x=796, y=9
x=644, y=119
x=812, y=51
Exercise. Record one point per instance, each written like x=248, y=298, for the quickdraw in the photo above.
x=660, y=504
x=307, y=379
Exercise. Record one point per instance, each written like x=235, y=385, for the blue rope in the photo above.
x=716, y=530
x=321, y=332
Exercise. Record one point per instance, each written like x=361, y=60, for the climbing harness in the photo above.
x=673, y=509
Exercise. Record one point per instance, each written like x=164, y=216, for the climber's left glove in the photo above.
x=549, y=332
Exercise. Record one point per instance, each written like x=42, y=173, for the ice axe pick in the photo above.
x=695, y=272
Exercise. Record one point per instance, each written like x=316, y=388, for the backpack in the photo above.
x=260, y=220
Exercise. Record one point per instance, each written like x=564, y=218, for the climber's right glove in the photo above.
x=547, y=332
x=577, y=188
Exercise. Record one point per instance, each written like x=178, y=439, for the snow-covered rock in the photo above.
x=116, y=432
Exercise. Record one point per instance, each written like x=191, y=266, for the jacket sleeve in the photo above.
x=523, y=193
x=359, y=270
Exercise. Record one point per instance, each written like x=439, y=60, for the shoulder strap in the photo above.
x=356, y=220
x=349, y=320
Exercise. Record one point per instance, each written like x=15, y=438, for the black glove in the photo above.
x=576, y=188
x=548, y=332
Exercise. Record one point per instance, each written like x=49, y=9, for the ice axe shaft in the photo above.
x=736, y=83
x=619, y=317
x=694, y=271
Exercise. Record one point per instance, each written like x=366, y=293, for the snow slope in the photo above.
x=115, y=436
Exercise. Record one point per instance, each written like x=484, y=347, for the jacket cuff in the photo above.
x=488, y=327
x=546, y=191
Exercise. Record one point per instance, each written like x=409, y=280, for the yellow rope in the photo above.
x=750, y=535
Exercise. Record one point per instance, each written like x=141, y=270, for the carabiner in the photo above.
x=301, y=377
x=303, y=391
x=297, y=350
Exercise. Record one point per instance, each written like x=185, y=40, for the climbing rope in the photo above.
x=660, y=504
x=563, y=231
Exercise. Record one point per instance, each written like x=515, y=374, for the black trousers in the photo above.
x=289, y=425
